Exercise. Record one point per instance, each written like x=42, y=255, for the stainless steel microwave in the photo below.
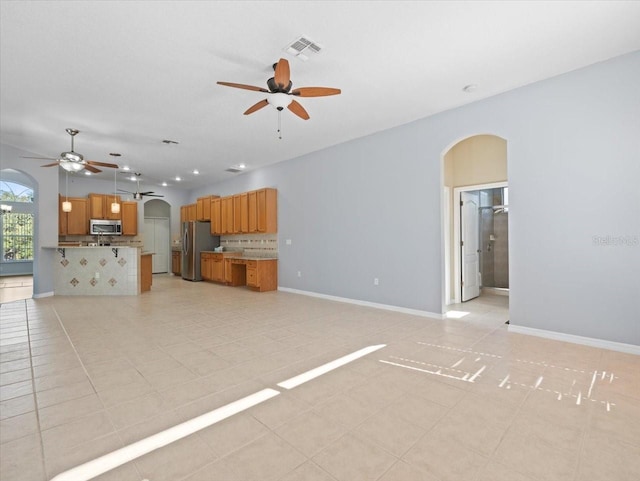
x=105, y=227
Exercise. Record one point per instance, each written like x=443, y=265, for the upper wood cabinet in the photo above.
x=129, y=210
x=75, y=222
x=216, y=216
x=226, y=208
x=203, y=208
x=254, y=212
x=100, y=206
x=241, y=213
x=263, y=211
x=188, y=212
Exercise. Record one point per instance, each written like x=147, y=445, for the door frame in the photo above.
x=168, y=245
x=457, y=261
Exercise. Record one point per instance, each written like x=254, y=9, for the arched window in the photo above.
x=17, y=220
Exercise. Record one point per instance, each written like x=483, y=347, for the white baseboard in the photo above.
x=43, y=294
x=585, y=341
x=404, y=310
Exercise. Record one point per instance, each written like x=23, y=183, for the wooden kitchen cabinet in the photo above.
x=212, y=265
x=75, y=222
x=217, y=268
x=188, y=212
x=176, y=263
x=216, y=216
x=129, y=212
x=203, y=208
x=262, y=211
x=100, y=206
x=241, y=213
x=205, y=266
x=146, y=277
x=257, y=274
x=226, y=209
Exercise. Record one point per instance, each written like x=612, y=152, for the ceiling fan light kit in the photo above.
x=279, y=90
x=74, y=162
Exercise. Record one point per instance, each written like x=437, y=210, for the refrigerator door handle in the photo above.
x=185, y=241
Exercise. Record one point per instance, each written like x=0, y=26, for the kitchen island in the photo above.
x=100, y=271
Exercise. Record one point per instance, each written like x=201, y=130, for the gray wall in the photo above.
x=372, y=207
x=45, y=183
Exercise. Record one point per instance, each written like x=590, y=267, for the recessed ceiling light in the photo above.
x=86, y=172
x=164, y=184
x=178, y=179
x=196, y=171
x=242, y=166
x=470, y=88
x=126, y=167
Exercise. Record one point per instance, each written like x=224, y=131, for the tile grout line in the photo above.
x=33, y=387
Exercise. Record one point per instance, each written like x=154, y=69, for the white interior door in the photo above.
x=157, y=240
x=162, y=243
x=470, y=244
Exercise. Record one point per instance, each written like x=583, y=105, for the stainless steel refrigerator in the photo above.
x=196, y=237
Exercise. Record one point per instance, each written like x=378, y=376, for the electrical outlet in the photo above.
x=97, y=276
x=299, y=274
x=288, y=242
x=375, y=281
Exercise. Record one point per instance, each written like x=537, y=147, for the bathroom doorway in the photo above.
x=477, y=166
x=480, y=227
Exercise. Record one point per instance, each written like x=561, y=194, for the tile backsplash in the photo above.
x=252, y=245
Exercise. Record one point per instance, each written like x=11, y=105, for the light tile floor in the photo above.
x=14, y=288
x=83, y=376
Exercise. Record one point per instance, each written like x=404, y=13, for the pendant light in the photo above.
x=66, y=205
x=115, y=207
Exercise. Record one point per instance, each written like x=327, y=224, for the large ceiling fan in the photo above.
x=73, y=161
x=280, y=93
x=137, y=195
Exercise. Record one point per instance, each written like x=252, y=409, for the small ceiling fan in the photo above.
x=137, y=195
x=73, y=161
x=280, y=93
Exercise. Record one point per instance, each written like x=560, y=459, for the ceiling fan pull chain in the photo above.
x=280, y=124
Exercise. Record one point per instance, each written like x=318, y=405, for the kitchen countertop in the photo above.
x=238, y=255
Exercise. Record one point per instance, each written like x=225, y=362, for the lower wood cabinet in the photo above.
x=212, y=266
x=257, y=274
x=176, y=263
x=146, y=278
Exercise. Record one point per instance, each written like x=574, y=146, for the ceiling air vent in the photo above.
x=301, y=46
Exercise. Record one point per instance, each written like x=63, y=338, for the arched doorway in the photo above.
x=157, y=234
x=17, y=235
x=475, y=195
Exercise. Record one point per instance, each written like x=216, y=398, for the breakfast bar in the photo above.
x=101, y=270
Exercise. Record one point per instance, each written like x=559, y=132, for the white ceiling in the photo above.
x=129, y=74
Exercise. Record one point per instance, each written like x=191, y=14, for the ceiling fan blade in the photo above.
x=49, y=165
x=39, y=158
x=152, y=195
x=147, y=193
x=126, y=191
x=315, y=91
x=282, y=74
x=91, y=169
x=243, y=86
x=101, y=164
x=258, y=106
x=298, y=109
